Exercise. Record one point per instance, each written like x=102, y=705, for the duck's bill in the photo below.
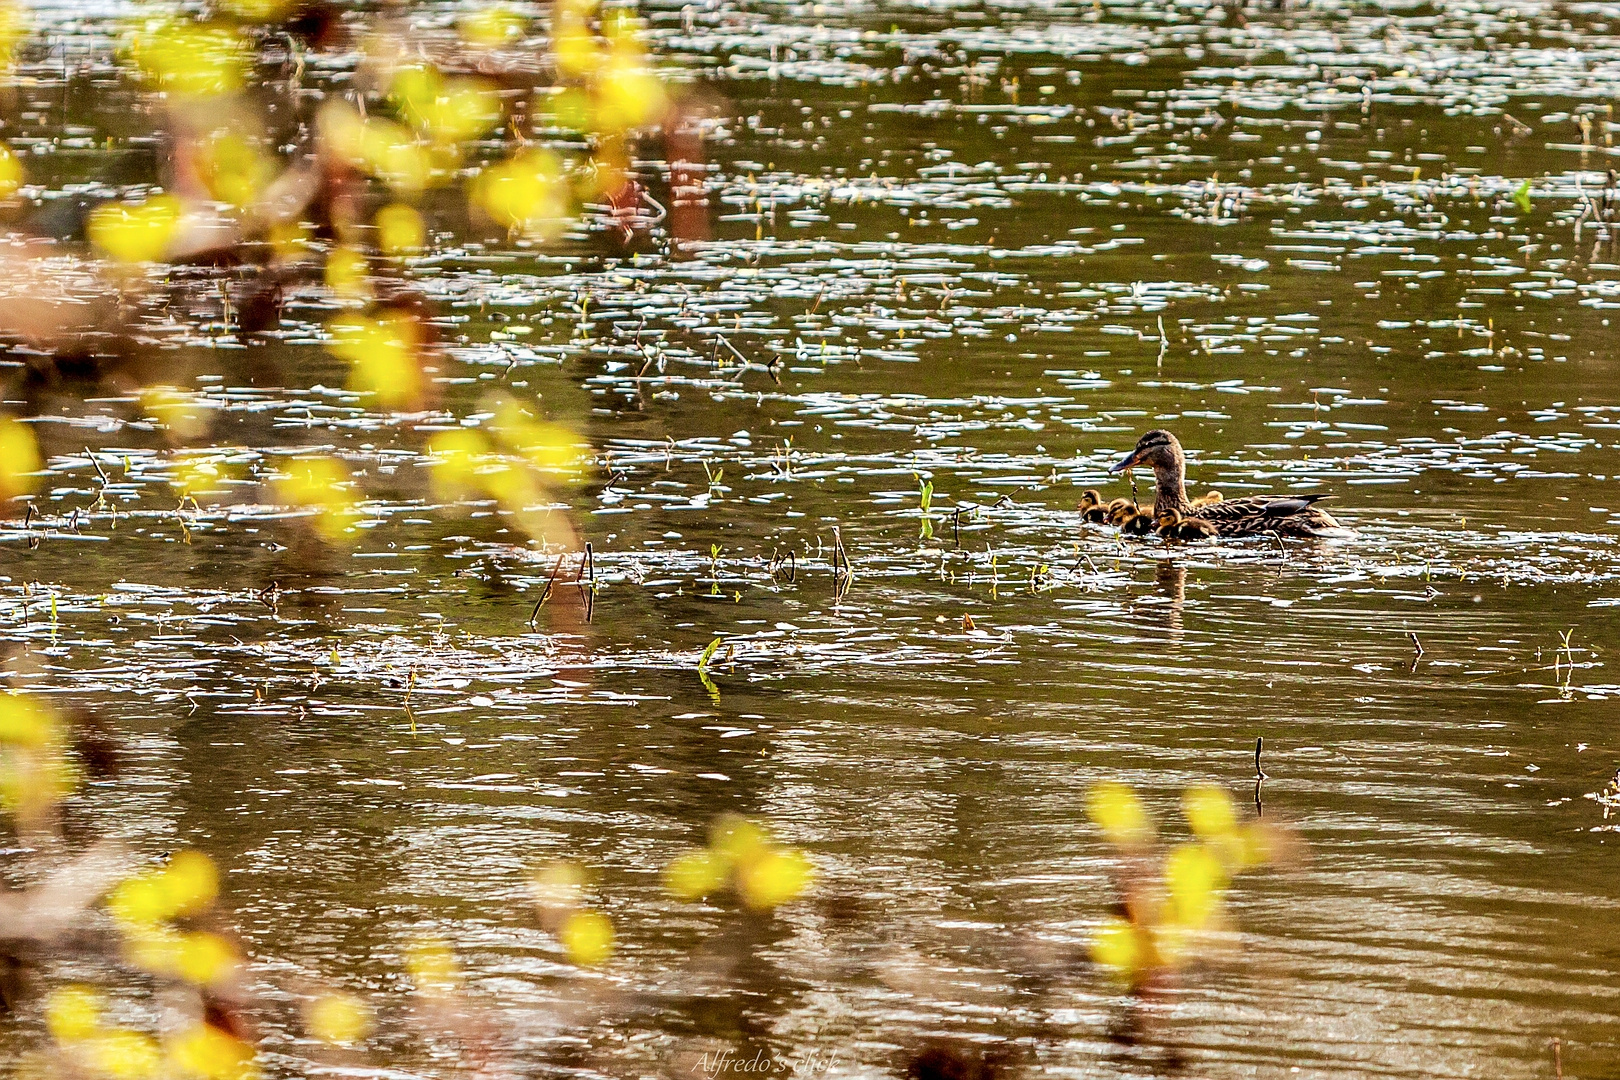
x=1129, y=460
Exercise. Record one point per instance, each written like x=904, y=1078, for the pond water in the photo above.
x=983, y=246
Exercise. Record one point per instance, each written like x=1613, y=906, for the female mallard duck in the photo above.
x=1172, y=526
x=1091, y=507
x=1252, y=516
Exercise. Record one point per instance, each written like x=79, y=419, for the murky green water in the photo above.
x=986, y=246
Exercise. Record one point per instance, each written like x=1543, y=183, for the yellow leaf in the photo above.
x=135, y=233
x=1116, y=810
x=588, y=938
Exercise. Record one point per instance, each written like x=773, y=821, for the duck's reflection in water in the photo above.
x=1170, y=582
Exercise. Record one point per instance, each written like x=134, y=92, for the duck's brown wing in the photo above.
x=1285, y=514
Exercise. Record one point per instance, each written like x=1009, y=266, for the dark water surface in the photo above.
x=986, y=246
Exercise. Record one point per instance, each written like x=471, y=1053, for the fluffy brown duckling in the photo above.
x=1208, y=497
x=1137, y=524
x=1120, y=509
x=1173, y=526
x=1091, y=506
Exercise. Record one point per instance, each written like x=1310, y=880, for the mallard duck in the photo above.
x=1172, y=526
x=1137, y=524
x=1119, y=510
x=1091, y=507
x=1254, y=515
x=1210, y=496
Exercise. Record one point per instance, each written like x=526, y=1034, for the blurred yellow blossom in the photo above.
x=1209, y=810
x=186, y=415
x=1195, y=879
x=186, y=885
x=774, y=877
x=35, y=771
x=400, y=230
x=448, y=110
x=455, y=458
x=696, y=874
x=187, y=58
x=743, y=855
x=1119, y=947
x=12, y=175
x=13, y=25
x=1116, y=810
x=73, y=1013
x=125, y=1055
x=258, y=10
x=207, y=1053
x=206, y=959
x=549, y=447
x=19, y=459
x=339, y=1019
x=525, y=193
x=138, y=232
x=432, y=966
x=234, y=169
x=383, y=352
x=348, y=273
x=492, y=26
x=588, y=938
x=383, y=148
x=323, y=485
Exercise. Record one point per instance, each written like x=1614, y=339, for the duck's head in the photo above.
x=1158, y=450
x=1089, y=498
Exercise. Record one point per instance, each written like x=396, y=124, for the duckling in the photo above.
x=1091, y=507
x=1136, y=524
x=1208, y=497
x=1119, y=510
x=1172, y=526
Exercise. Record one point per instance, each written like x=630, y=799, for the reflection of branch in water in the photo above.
x=1260, y=776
